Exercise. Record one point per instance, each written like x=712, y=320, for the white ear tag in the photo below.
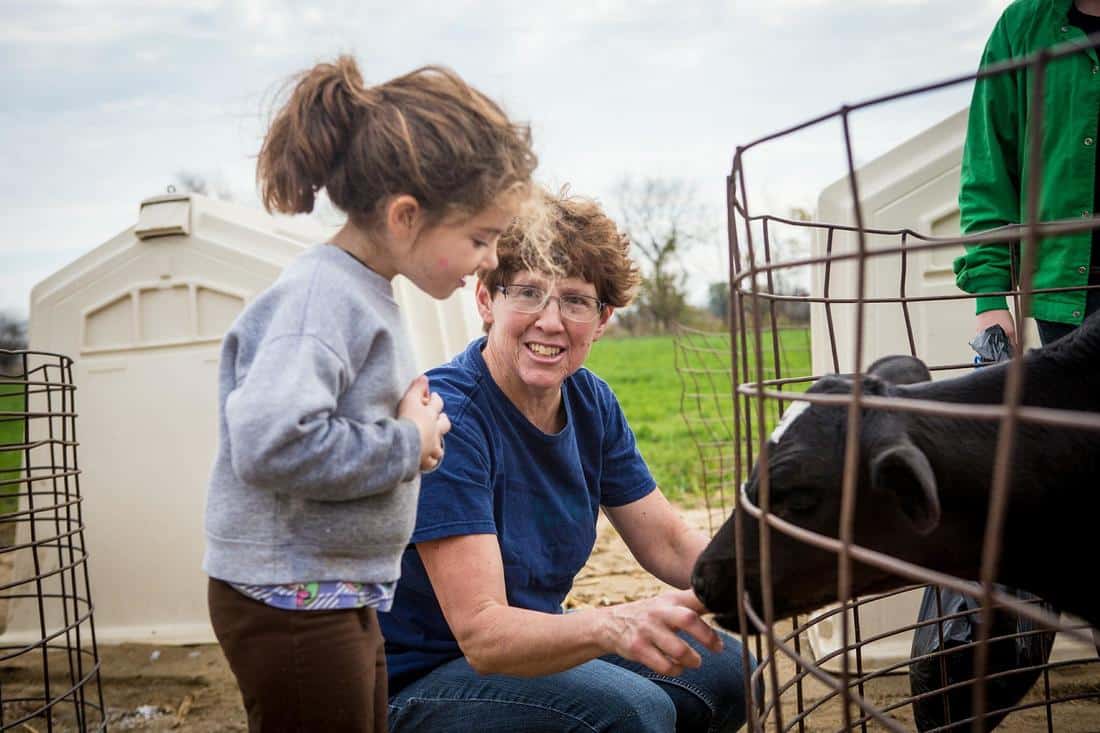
x=797, y=408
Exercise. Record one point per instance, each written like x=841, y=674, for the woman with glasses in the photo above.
x=476, y=639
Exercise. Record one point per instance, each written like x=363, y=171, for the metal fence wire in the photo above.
x=812, y=686
x=702, y=362
x=50, y=678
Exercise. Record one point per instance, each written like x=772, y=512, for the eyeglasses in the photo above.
x=573, y=306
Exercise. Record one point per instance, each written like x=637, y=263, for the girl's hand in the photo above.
x=425, y=409
x=646, y=632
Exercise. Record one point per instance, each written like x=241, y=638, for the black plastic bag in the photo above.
x=992, y=346
x=1030, y=649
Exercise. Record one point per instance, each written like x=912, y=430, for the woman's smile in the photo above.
x=549, y=353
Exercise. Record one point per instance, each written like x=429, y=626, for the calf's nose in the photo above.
x=714, y=586
x=699, y=584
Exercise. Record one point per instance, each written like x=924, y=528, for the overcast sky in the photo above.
x=105, y=102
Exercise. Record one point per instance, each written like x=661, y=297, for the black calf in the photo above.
x=924, y=484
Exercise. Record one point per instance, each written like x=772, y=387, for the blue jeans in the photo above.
x=606, y=694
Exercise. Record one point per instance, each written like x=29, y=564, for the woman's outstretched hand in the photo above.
x=646, y=631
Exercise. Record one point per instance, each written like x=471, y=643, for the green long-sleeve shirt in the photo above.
x=994, y=168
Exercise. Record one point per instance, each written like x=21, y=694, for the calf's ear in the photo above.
x=900, y=369
x=903, y=470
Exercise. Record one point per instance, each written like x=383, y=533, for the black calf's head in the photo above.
x=900, y=370
x=896, y=493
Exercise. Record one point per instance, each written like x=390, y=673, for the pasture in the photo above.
x=648, y=376
x=11, y=433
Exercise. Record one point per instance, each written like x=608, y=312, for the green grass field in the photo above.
x=11, y=432
x=643, y=373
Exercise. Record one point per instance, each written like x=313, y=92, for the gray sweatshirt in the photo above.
x=315, y=478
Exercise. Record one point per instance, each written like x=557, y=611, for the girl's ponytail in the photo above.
x=426, y=133
x=310, y=135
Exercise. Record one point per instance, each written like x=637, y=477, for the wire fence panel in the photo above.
x=900, y=619
x=51, y=678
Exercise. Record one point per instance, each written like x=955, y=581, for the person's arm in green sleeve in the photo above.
x=989, y=193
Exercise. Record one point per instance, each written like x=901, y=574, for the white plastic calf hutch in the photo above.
x=914, y=186
x=143, y=316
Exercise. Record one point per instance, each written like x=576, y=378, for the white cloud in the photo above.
x=106, y=101
x=106, y=21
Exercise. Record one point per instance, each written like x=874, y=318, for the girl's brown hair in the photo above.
x=427, y=134
x=583, y=242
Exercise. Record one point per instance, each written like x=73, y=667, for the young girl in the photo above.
x=322, y=438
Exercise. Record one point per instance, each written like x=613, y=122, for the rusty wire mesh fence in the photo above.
x=702, y=362
x=816, y=668
x=49, y=678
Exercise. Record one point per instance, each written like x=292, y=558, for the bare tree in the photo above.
x=13, y=333
x=718, y=300
x=195, y=182
x=792, y=243
x=663, y=219
x=13, y=337
x=787, y=239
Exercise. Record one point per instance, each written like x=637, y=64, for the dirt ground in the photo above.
x=161, y=688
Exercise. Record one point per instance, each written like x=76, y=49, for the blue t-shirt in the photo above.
x=539, y=494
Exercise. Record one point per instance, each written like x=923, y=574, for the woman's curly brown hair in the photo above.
x=584, y=243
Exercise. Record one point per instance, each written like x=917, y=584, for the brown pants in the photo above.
x=302, y=671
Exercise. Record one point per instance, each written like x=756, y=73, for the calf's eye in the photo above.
x=800, y=500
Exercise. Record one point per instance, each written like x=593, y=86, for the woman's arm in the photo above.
x=659, y=538
x=467, y=575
